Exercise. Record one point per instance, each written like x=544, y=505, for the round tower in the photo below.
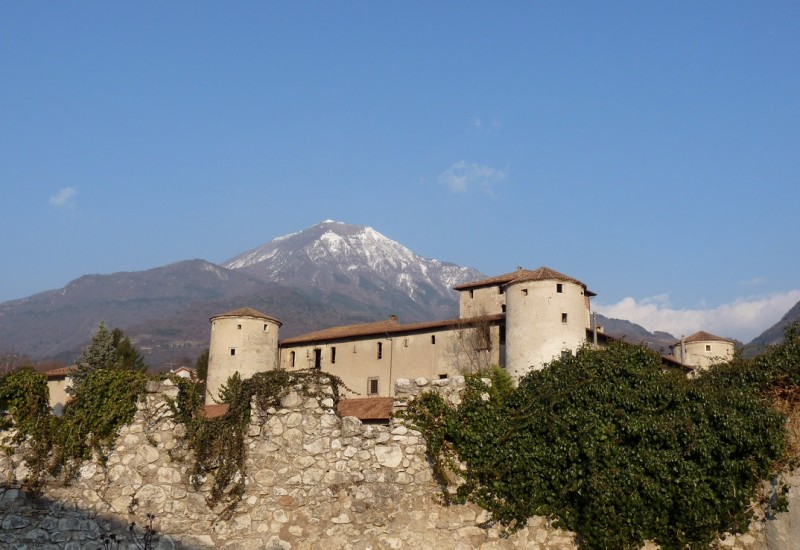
x=243, y=341
x=703, y=349
x=547, y=314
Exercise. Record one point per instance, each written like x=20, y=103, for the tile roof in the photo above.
x=213, y=411
x=703, y=336
x=56, y=373
x=247, y=312
x=540, y=274
x=390, y=326
x=367, y=408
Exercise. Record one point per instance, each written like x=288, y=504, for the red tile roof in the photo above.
x=390, y=326
x=367, y=408
x=540, y=274
x=57, y=373
x=247, y=312
x=703, y=336
x=213, y=411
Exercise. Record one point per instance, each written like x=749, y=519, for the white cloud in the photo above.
x=64, y=198
x=466, y=176
x=743, y=319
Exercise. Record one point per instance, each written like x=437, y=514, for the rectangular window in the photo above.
x=524, y=291
x=499, y=289
x=291, y=359
x=380, y=350
x=708, y=347
x=471, y=293
x=559, y=288
x=442, y=377
x=563, y=317
x=372, y=386
x=318, y=359
x=266, y=327
x=333, y=355
x=239, y=327
x=233, y=351
x=433, y=339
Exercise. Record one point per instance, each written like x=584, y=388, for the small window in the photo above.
x=442, y=377
x=233, y=351
x=380, y=350
x=503, y=308
x=559, y=288
x=563, y=317
x=333, y=355
x=291, y=359
x=405, y=342
x=372, y=386
x=266, y=327
x=524, y=291
x=433, y=339
x=471, y=293
x=708, y=347
x=318, y=359
x=499, y=289
x=239, y=327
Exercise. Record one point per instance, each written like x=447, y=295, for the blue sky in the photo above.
x=648, y=149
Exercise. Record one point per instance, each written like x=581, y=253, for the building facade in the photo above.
x=521, y=320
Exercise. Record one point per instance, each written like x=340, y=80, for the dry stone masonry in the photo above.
x=314, y=480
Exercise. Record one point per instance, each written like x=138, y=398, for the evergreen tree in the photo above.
x=109, y=350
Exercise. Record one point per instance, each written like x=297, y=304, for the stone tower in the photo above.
x=703, y=349
x=243, y=341
x=547, y=314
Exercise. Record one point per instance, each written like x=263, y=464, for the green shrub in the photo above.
x=610, y=446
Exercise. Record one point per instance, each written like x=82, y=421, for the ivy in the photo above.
x=612, y=447
x=218, y=443
x=105, y=401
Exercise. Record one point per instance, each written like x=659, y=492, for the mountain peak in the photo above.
x=346, y=259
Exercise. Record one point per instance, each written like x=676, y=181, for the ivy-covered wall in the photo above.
x=313, y=480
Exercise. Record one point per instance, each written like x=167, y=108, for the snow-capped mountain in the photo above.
x=350, y=261
x=327, y=275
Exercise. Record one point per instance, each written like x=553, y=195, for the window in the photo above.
x=502, y=336
x=318, y=359
x=233, y=351
x=563, y=317
x=524, y=291
x=333, y=355
x=559, y=288
x=442, y=377
x=266, y=327
x=471, y=293
x=239, y=327
x=503, y=308
x=433, y=339
x=380, y=350
x=708, y=347
x=291, y=359
x=372, y=386
x=565, y=354
x=499, y=289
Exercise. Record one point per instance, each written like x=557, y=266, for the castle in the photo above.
x=520, y=321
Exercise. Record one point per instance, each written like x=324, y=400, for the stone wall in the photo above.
x=315, y=480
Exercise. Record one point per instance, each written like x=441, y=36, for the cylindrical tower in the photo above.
x=243, y=341
x=546, y=315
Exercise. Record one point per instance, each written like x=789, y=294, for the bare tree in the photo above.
x=470, y=348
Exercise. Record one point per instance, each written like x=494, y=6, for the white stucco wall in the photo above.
x=535, y=332
x=703, y=353
x=242, y=344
